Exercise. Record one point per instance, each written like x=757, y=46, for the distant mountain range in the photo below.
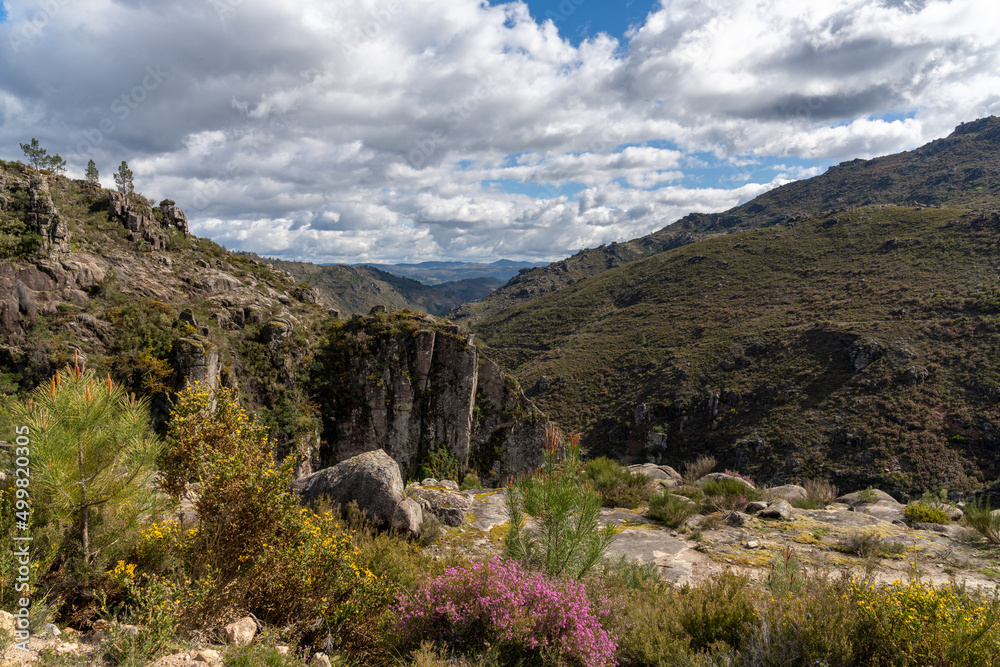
x=435, y=273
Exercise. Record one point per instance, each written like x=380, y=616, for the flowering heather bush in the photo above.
x=522, y=615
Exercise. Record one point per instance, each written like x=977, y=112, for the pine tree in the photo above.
x=93, y=178
x=93, y=455
x=39, y=158
x=123, y=179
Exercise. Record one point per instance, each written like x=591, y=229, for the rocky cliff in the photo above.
x=410, y=384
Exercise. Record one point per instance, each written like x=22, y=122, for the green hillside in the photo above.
x=961, y=170
x=356, y=289
x=860, y=345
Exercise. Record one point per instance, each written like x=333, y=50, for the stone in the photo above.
x=283, y=650
x=737, y=518
x=448, y=506
x=242, y=631
x=52, y=629
x=195, y=360
x=789, y=492
x=864, y=352
x=663, y=475
x=208, y=655
x=854, y=499
x=372, y=480
x=320, y=660
x=7, y=621
x=755, y=506
x=68, y=647
x=779, y=509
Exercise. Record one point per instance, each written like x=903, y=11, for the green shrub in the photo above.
x=669, y=509
x=785, y=574
x=720, y=610
x=618, y=486
x=440, y=464
x=471, y=481
x=867, y=495
x=979, y=515
x=921, y=513
x=726, y=495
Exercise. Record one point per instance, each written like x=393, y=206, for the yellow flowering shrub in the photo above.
x=917, y=623
x=264, y=553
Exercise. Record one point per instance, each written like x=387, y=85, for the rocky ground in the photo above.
x=474, y=522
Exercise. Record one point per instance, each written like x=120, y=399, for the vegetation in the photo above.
x=123, y=180
x=569, y=541
x=979, y=515
x=617, y=486
x=924, y=513
x=39, y=158
x=91, y=175
x=93, y=459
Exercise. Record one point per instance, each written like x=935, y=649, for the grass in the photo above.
x=870, y=545
x=979, y=516
x=618, y=486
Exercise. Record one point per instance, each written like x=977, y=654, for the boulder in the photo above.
x=7, y=621
x=720, y=476
x=855, y=499
x=319, y=660
x=789, y=492
x=662, y=475
x=448, y=506
x=242, y=631
x=372, y=480
x=779, y=509
x=755, y=506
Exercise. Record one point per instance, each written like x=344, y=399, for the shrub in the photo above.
x=727, y=495
x=921, y=513
x=567, y=510
x=523, y=616
x=720, y=610
x=695, y=470
x=254, y=547
x=870, y=545
x=980, y=517
x=618, y=486
x=441, y=464
x=820, y=491
x=867, y=495
x=922, y=624
x=471, y=481
x=669, y=509
x=786, y=575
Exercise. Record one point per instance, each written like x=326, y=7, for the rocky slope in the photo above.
x=961, y=170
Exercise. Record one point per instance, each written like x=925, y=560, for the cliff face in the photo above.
x=410, y=385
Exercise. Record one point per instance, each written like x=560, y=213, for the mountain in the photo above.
x=357, y=289
x=434, y=273
x=959, y=170
x=860, y=343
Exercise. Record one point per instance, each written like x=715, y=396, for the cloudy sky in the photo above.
x=408, y=130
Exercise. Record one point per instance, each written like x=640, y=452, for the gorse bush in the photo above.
x=567, y=510
x=922, y=513
x=919, y=623
x=870, y=545
x=618, y=486
x=253, y=547
x=524, y=617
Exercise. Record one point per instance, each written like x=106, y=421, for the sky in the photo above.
x=413, y=130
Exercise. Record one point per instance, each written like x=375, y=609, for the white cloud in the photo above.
x=365, y=129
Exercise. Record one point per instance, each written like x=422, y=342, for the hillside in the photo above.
x=961, y=170
x=355, y=290
x=861, y=345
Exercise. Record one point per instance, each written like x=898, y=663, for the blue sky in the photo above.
x=384, y=130
x=580, y=19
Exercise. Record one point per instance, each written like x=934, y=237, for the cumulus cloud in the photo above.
x=387, y=130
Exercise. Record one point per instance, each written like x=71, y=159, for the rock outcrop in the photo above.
x=372, y=480
x=45, y=220
x=143, y=223
x=409, y=388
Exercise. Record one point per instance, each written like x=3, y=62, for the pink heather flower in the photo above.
x=496, y=602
